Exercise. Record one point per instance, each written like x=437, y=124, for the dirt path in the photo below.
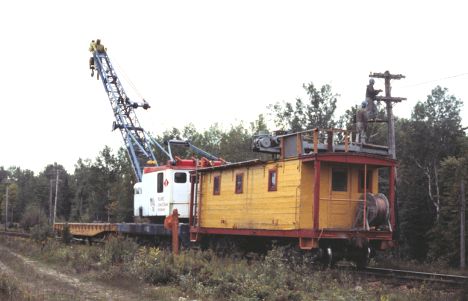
x=40, y=282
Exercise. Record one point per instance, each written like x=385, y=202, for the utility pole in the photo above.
x=7, y=183
x=462, y=224
x=50, y=200
x=389, y=100
x=56, y=193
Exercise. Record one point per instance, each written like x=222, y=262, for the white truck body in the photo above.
x=161, y=191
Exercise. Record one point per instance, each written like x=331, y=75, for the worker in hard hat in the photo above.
x=361, y=123
x=371, y=94
x=95, y=46
x=99, y=47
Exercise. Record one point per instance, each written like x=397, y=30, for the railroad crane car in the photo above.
x=320, y=190
x=162, y=186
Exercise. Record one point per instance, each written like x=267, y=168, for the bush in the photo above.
x=154, y=266
x=66, y=235
x=118, y=249
x=41, y=232
x=33, y=216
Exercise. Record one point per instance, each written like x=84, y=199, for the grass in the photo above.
x=202, y=275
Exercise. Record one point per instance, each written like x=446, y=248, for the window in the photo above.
x=160, y=184
x=240, y=183
x=216, y=185
x=272, y=180
x=368, y=180
x=339, y=179
x=180, y=177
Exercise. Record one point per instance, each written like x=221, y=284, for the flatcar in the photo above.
x=320, y=189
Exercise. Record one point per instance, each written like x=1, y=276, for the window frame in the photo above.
x=239, y=190
x=175, y=178
x=216, y=184
x=346, y=172
x=272, y=187
x=160, y=182
x=369, y=179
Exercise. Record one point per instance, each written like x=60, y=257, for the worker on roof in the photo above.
x=361, y=123
x=371, y=95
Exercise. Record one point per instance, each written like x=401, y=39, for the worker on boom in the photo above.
x=99, y=47
x=92, y=48
x=370, y=97
x=95, y=47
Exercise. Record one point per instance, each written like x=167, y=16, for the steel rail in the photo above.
x=17, y=234
x=416, y=275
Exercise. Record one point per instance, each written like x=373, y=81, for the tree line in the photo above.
x=431, y=146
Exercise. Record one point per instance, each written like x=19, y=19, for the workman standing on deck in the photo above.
x=370, y=97
x=361, y=123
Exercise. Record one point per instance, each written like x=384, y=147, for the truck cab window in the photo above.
x=180, y=177
x=160, y=184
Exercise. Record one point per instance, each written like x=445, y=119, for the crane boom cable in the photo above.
x=127, y=78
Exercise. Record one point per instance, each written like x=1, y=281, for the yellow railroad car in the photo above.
x=324, y=194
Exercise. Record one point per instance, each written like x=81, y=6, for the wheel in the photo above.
x=362, y=258
x=328, y=259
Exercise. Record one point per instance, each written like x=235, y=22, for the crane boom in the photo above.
x=137, y=141
x=139, y=144
x=159, y=189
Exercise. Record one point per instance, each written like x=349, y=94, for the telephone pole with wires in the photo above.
x=389, y=100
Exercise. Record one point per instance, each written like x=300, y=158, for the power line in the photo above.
x=435, y=80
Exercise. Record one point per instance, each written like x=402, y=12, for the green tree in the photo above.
x=316, y=112
x=432, y=134
x=47, y=187
x=25, y=181
x=444, y=236
x=102, y=185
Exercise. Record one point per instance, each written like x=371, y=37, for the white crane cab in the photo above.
x=163, y=189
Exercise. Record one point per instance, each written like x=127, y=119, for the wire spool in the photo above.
x=377, y=210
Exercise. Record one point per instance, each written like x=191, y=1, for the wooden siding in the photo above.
x=306, y=213
x=337, y=208
x=256, y=207
x=288, y=208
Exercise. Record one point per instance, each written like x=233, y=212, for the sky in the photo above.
x=207, y=62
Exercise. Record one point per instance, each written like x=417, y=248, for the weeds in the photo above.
x=278, y=275
x=41, y=232
x=118, y=250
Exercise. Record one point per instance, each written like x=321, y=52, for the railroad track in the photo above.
x=416, y=276
x=17, y=234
